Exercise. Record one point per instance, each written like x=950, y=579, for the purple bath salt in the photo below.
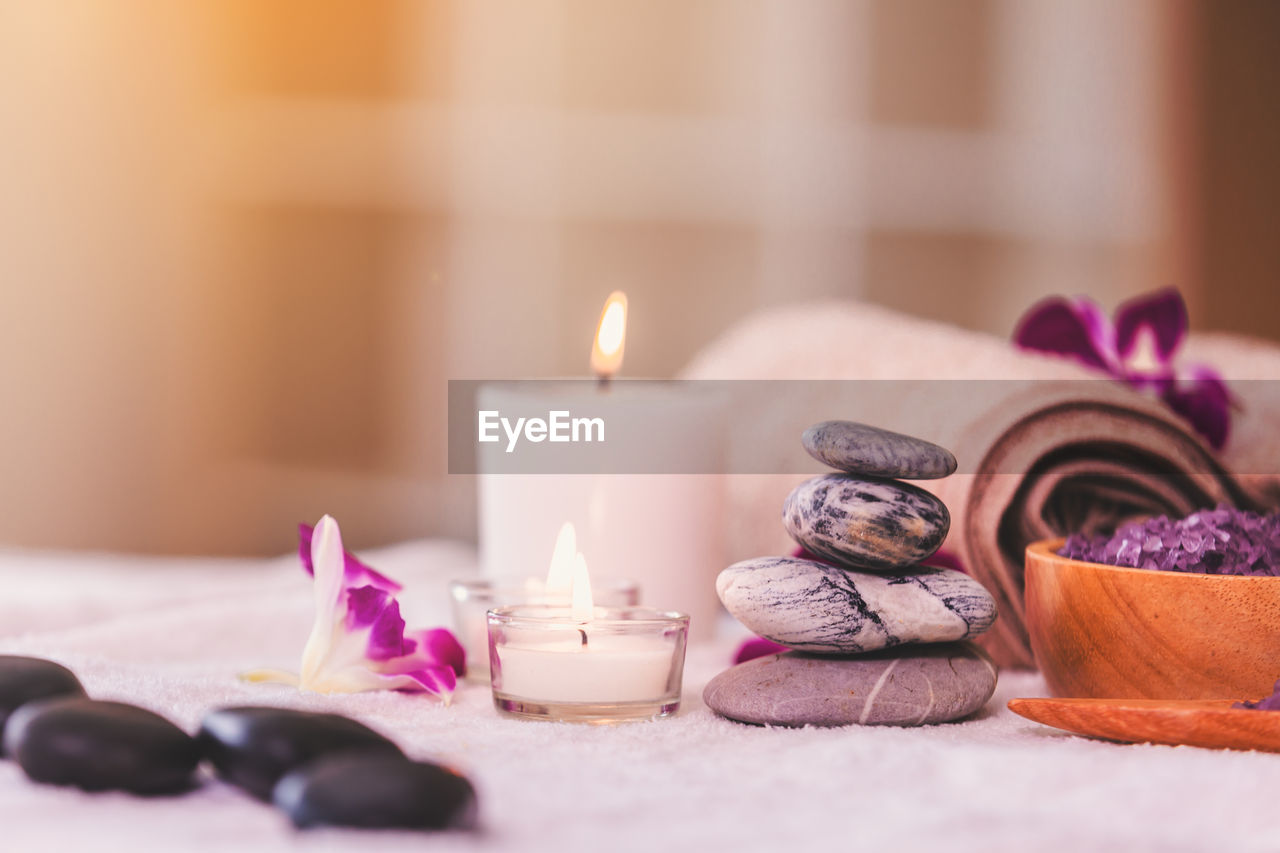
x=1220, y=541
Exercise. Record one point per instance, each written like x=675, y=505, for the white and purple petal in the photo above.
x=1163, y=314
x=373, y=611
x=441, y=680
x=438, y=646
x=355, y=572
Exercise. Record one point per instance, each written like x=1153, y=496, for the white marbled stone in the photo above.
x=820, y=608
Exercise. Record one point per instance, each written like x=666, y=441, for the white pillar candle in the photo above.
x=665, y=531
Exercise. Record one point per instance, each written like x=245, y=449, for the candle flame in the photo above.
x=583, y=606
x=611, y=336
x=560, y=575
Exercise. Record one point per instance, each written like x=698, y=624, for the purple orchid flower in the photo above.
x=1137, y=349
x=358, y=641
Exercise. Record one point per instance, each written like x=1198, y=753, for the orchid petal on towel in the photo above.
x=757, y=647
x=358, y=641
x=1138, y=350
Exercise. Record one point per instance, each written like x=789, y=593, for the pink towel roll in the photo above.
x=1048, y=450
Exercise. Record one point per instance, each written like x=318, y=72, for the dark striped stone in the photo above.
x=881, y=525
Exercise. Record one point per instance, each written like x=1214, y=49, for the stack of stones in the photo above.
x=876, y=638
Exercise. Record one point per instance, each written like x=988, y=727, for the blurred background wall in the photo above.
x=244, y=244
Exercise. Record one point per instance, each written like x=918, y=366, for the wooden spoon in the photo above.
x=1210, y=723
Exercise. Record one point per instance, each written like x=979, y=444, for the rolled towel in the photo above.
x=1048, y=450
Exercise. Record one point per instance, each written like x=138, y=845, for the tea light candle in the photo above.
x=583, y=663
x=473, y=598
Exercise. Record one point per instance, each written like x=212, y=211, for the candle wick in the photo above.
x=602, y=381
x=584, y=636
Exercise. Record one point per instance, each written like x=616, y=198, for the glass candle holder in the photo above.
x=626, y=663
x=473, y=598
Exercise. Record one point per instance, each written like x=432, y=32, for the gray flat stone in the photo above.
x=866, y=523
x=816, y=607
x=903, y=687
x=860, y=449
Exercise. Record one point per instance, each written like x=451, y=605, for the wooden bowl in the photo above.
x=1107, y=632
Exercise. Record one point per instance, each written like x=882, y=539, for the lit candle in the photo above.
x=610, y=342
x=586, y=663
x=473, y=598
x=666, y=532
x=560, y=575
